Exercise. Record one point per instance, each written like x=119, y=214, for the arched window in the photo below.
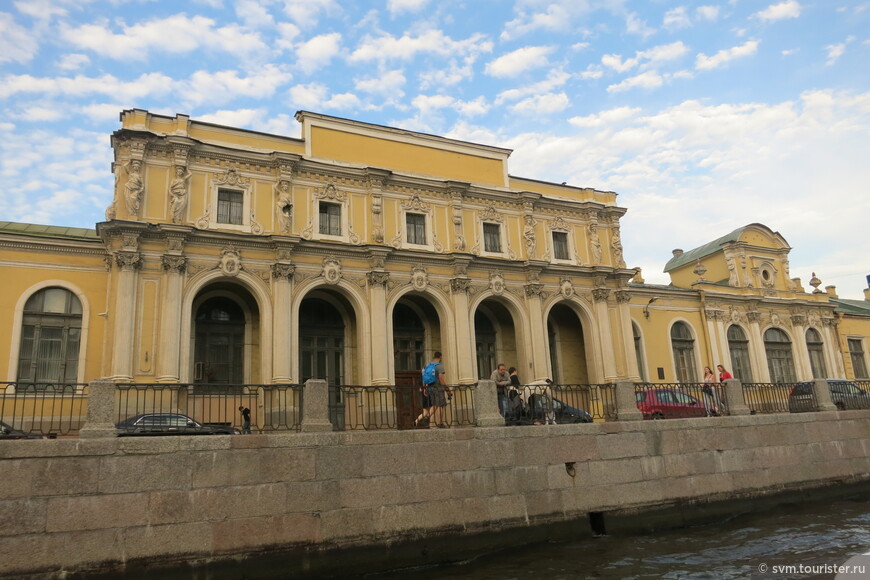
x=220, y=341
x=50, y=335
x=638, y=352
x=684, y=353
x=779, y=359
x=738, y=346
x=484, y=335
x=409, y=339
x=817, y=356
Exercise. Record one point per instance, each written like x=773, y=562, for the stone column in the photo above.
x=599, y=295
x=465, y=350
x=124, y=314
x=315, y=407
x=282, y=274
x=823, y=396
x=623, y=298
x=831, y=338
x=381, y=351
x=537, y=333
x=804, y=367
x=486, y=405
x=100, y=421
x=626, y=402
x=169, y=347
x=758, y=357
x=734, y=397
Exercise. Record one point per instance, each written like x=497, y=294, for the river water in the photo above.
x=814, y=535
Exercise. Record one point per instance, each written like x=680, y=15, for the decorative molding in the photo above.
x=232, y=178
x=397, y=241
x=558, y=225
x=283, y=206
x=308, y=232
x=415, y=204
x=798, y=320
x=623, y=296
x=330, y=192
x=534, y=289
x=600, y=294
x=377, y=278
x=490, y=214
x=202, y=221
x=129, y=261
x=283, y=271
x=458, y=285
x=753, y=316
x=352, y=237
x=256, y=227
x=174, y=263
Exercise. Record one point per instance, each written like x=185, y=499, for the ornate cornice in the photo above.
x=600, y=294
x=623, y=296
x=128, y=261
x=174, y=263
x=458, y=285
x=378, y=278
x=282, y=270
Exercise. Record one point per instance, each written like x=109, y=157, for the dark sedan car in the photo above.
x=844, y=394
x=535, y=412
x=169, y=424
x=8, y=432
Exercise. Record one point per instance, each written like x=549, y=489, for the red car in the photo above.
x=671, y=404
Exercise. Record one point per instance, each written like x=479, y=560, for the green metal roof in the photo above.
x=846, y=306
x=702, y=251
x=42, y=231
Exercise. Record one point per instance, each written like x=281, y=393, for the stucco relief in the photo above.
x=616, y=249
x=178, y=194
x=134, y=187
x=330, y=192
x=175, y=264
x=594, y=243
x=566, y=288
x=283, y=271
x=283, y=206
x=230, y=262
x=600, y=294
x=378, y=278
x=419, y=278
x=331, y=271
x=496, y=283
x=529, y=237
x=128, y=260
x=458, y=285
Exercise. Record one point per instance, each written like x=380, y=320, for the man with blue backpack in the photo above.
x=436, y=386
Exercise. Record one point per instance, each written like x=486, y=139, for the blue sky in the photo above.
x=703, y=116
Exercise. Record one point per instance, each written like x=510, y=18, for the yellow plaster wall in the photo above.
x=374, y=152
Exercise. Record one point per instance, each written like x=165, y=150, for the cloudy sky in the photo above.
x=703, y=116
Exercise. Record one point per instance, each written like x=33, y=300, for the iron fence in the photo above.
x=767, y=398
x=273, y=407
x=681, y=400
x=539, y=404
x=863, y=385
x=50, y=409
x=357, y=407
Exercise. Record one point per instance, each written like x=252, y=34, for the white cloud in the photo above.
x=835, y=51
x=40, y=9
x=677, y=18
x=317, y=52
x=233, y=118
x=708, y=13
x=397, y=6
x=634, y=25
x=146, y=85
x=519, y=61
x=389, y=83
x=315, y=96
x=704, y=62
x=555, y=78
x=787, y=9
x=653, y=56
x=564, y=16
x=176, y=34
x=647, y=80
x=542, y=104
x=306, y=13
x=592, y=72
x=219, y=87
x=254, y=14
x=388, y=47
x=478, y=106
x=73, y=61
x=17, y=44
x=608, y=117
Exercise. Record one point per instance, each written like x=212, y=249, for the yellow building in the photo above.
x=354, y=253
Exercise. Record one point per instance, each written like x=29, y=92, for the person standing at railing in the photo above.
x=723, y=374
x=513, y=404
x=709, y=385
x=502, y=379
x=434, y=380
x=246, y=420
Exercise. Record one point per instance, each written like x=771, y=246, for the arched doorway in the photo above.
x=780, y=363
x=220, y=340
x=416, y=336
x=567, y=346
x=495, y=339
x=327, y=331
x=738, y=347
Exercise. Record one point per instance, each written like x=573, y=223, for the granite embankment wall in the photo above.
x=115, y=504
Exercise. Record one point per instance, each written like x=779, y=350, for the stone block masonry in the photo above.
x=111, y=505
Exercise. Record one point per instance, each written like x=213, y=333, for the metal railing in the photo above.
x=274, y=407
x=49, y=409
x=767, y=398
x=681, y=400
x=537, y=404
x=358, y=407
